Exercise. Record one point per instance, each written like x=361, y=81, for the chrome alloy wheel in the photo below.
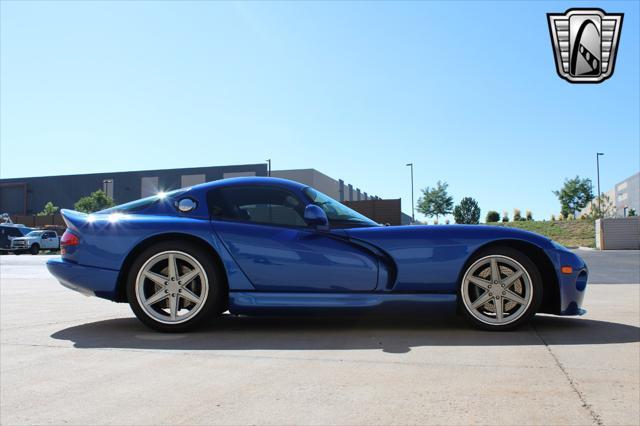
x=171, y=287
x=497, y=290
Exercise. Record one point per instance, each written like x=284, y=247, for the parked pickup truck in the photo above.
x=9, y=231
x=35, y=241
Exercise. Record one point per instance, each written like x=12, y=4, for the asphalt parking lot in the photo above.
x=70, y=359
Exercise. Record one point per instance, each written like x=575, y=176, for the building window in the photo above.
x=191, y=180
x=107, y=187
x=149, y=186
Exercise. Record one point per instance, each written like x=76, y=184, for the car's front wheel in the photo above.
x=501, y=289
x=35, y=249
x=174, y=286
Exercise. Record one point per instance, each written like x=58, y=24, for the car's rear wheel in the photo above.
x=35, y=249
x=174, y=286
x=501, y=289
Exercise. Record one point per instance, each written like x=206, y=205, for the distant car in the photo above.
x=268, y=246
x=35, y=241
x=9, y=231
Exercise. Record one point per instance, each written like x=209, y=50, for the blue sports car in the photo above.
x=268, y=246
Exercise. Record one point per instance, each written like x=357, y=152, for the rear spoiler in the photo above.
x=74, y=219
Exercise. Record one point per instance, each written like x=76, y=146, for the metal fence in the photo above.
x=33, y=221
x=620, y=233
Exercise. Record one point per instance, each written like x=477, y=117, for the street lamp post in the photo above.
x=598, y=154
x=269, y=167
x=413, y=216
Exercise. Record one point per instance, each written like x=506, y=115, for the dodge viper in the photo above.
x=259, y=245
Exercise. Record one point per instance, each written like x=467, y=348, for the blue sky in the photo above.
x=466, y=91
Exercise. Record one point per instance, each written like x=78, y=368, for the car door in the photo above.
x=51, y=241
x=264, y=230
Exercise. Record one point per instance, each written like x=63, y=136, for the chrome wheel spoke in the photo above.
x=495, y=270
x=511, y=279
x=499, y=308
x=156, y=278
x=188, y=277
x=483, y=284
x=187, y=294
x=173, y=266
x=173, y=307
x=157, y=297
x=481, y=300
x=509, y=295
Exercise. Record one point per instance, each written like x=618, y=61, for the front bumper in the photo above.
x=19, y=245
x=573, y=285
x=87, y=280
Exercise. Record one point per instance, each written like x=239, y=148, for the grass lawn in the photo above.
x=570, y=233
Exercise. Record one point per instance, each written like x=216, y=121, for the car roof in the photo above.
x=250, y=180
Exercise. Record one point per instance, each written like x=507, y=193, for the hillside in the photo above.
x=570, y=233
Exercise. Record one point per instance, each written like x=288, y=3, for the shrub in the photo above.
x=492, y=216
x=560, y=217
x=529, y=215
x=553, y=217
x=446, y=222
x=632, y=212
x=516, y=215
x=505, y=216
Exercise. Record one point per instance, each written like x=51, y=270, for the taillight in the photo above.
x=68, y=240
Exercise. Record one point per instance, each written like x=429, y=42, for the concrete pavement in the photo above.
x=70, y=359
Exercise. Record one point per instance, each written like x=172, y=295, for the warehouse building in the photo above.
x=27, y=196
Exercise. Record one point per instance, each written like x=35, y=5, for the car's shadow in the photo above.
x=390, y=333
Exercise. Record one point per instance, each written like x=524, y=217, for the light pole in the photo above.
x=269, y=167
x=598, y=154
x=413, y=216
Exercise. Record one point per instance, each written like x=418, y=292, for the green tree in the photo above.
x=574, y=195
x=467, y=211
x=97, y=201
x=492, y=216
x=49, y=209
x=435, y=201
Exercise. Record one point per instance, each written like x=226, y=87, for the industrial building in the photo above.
x=27, y=196
x=624, y=196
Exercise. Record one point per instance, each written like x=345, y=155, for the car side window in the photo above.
x=256, y=204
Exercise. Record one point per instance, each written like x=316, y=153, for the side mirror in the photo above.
x=315, y=216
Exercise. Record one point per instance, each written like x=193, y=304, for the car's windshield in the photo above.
x=34, y=234
x=337, y=211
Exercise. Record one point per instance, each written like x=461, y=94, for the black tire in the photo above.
x=35, y=249
x=213, y=303
x=536, y=284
